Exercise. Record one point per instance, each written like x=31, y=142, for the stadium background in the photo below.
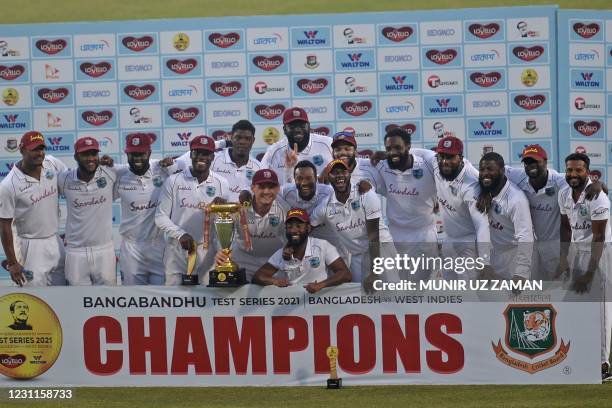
x=71, y=10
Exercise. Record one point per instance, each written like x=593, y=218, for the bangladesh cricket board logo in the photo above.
x=530, y=332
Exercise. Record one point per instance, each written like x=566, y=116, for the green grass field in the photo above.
x=34, y=11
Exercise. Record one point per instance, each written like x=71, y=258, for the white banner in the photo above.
x=162, y=336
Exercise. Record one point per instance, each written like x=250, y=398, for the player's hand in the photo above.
x=378, y=156
x=16, y=272
x=287, y=253
x=281, y=283
x=245, y=196
x=219, y=200
x=106, y=160
x=562, y=270
x=368, y=283
x=221, y=258
x=581, y=284
x=364, y=186
x=187, y=243
x=291, y=157
x=314, y=287
x=167, y=161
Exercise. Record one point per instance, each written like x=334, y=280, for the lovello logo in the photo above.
x=183, y=115
x=9, y=73
x=322, y=130
x=224, y=40
x=137, y=44
x=586, y=30
x=356, y=108
x=528, y=54
x=310, y=38
x=97, y=118
x=485, y=80
x=484, y=31
x=139, y=93
x=53, y=95
x=397, y=34
x=182, y=67
x=13, y=361
x=587, y=128
x=225, y=89
x=51, y=47
x=95, y=70
x=410, y=128
x=530, y=332
x=270, y=111
x=268, y=63
x=312, y=86
x=441, y=57
x=528, y=102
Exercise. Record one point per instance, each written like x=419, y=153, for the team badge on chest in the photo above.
x=317, y=160
x=355, y=205
x=210, y=191
x=497, y=208
x=417, y=173
x=314, y=262
x=250, y=174
x=453, y=190
x=49, y=174
x=583, y=210
x=274, y=221
x=550, y=191
x=101, y=182
x=158, y=181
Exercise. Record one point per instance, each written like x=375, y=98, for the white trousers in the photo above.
x=141, y=263
x=91, y=265
x=44, y=257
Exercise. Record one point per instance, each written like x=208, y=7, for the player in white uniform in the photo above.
x=410, y=189
x=266, y=222
x=90, y=254
x=299, y=145
x=180, y=212
x=235, y=163
x=305, y=193
x=509, y=219
x=586, y=225
x=304, y=260
x=29, y=200
x=355, y=219
x=139, y=187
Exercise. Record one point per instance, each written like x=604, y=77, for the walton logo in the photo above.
x=530, y=332
x=11, y=122
x=183, y=139
x=586, y=75
x=355, y=61
x=399, y=80
x=487, y=125
x=487, y=129
x=354, y=57
x=587, y=81
x=443, y=103
x=55, y=144
x=311, y=38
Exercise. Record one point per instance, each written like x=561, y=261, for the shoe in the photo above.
x=606, y=376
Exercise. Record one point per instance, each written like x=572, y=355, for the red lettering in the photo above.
x=189, y=330
x=252, y=337
x=283, y=345
x=366, y=344
x=397, y=342
x=453, y=349
x=154, y=343
x=321, y=341
x=92, y=350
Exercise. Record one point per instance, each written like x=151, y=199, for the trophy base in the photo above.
x=334, y=383
x=189, y=280
x=218, y=279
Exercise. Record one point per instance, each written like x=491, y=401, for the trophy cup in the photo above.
x=189, y=279
x=228, y=274
x=333, y=382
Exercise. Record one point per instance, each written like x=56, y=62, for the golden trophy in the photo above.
x=189, y=278
x=333, y=382
x=228, y=274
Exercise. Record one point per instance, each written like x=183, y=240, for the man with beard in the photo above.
x=509, y=219
x=20, y=312
x=355, y=219
x=344, y=147
x=586, y=225
x=266, y=221
x=139, y=187
x=409, y=186
x=299, y=145
x=180, y=212
x=29, y=199
x=305, y=193
x=541, y=185
x=304, y=260
x=457, y=190
x=235, y=163
x=90, y=253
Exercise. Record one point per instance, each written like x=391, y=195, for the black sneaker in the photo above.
x=605, y=372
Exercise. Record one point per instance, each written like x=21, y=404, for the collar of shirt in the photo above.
x=227, y=159
x=503, y=192
x=46, y=165
x=188, y=176
x=96, y=176
x=525, y=185
x=352, y=196
x=582, y=197
x=417, y=163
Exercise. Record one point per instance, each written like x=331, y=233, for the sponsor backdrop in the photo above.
x=159, y=336
x=585, y=87
x=484, y=75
